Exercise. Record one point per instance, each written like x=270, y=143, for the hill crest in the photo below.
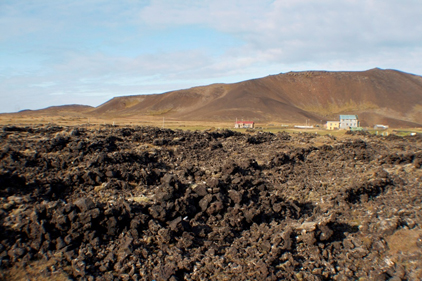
x=378, y=96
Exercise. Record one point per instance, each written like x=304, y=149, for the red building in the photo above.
x=244, y=124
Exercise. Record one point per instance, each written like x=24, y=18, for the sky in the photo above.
x=56, y=52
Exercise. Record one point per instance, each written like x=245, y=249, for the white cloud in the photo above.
x=304, y=30
x=44, y=84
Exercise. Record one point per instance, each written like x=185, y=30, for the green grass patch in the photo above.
x=159, y=112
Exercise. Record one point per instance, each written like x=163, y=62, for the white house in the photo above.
x=349, y=121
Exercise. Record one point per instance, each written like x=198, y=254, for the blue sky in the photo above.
x=86, y=52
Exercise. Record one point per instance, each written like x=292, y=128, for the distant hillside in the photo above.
x=71, y=108
x=377, y=96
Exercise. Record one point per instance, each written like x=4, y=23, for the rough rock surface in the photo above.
x=144, y=203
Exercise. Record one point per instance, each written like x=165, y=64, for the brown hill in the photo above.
x=378, y=96
x=62, y=110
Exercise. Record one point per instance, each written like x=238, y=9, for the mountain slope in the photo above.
x=378, y=95
x=388, y=97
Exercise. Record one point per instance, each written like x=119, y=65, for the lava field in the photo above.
x=144, y=203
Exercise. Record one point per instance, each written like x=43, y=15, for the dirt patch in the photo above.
x=405, y=241
x=144, y=203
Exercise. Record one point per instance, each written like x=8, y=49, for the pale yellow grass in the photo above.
x=35, y=270
x=169, y=123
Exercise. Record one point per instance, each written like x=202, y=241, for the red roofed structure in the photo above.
x=244, y=124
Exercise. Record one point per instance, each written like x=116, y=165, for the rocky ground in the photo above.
x=156, y=204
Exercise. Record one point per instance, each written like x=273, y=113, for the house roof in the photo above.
x=348, y=117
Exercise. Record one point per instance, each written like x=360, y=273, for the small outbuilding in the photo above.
x=380, y=127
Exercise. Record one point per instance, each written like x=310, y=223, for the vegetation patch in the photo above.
x=332, y=108
x=160, y=112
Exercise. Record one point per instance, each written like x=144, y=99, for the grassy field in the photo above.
x=24, y=120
